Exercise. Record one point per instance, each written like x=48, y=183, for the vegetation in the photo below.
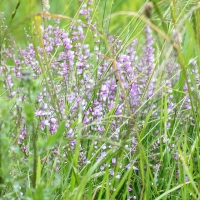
x=99, y=100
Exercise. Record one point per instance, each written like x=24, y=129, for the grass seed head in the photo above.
x=148, y=9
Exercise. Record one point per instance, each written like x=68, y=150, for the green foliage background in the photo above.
x=20, y=13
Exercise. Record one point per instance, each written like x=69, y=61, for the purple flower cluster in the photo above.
x=69, y=64
x=80, y=77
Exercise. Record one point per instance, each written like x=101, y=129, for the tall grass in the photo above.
x=100, y=103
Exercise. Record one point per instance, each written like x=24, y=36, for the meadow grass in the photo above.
x=100, y=100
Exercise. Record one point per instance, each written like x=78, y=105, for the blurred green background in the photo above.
x=19, y=14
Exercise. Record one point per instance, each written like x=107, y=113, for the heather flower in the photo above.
x=114, y=160
x=78, y=77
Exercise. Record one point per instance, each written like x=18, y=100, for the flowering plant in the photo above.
x=95, y=113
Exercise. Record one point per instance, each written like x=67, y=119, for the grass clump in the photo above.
x=89, y=113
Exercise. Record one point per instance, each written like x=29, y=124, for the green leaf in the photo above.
x=54, y=139
x=29, y=112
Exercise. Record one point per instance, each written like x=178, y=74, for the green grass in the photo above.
x=165, y=163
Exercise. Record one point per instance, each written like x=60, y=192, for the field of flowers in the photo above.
x=98, y=101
